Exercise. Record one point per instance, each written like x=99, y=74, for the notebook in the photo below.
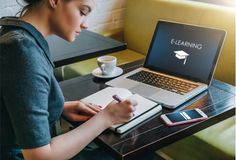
x=144, y=109
x=179, y=64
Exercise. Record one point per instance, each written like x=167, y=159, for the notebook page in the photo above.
x=104, y=97
x=143, y=105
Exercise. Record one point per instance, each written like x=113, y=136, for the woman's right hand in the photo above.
x=117, y=113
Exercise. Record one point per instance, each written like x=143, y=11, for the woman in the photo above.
x=31, y=100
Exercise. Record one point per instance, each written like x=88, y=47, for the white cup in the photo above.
x=107, y=64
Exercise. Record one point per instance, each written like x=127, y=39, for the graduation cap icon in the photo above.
x=181, y=55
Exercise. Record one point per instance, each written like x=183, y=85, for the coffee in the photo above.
x=107, y=64
x=106, y=61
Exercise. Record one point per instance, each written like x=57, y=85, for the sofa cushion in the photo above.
x=87, y=66
x=141, y=18
x=221, y=136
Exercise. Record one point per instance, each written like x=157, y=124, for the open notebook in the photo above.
x=144, y=109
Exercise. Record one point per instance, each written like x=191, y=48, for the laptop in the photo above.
x=179, y=64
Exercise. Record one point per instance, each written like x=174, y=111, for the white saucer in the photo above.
x=98, y=73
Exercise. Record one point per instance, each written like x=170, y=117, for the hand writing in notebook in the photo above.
x=119, y=100
x=123, y=107
x=120, y=112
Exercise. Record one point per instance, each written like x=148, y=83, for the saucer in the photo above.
x=98, y=73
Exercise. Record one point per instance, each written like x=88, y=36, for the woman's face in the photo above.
x=69, y=17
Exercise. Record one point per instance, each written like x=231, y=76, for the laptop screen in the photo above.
x=186, y=51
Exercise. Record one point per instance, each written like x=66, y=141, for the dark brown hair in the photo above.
x=29, y=4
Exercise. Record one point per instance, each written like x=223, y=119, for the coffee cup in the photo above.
x=107, y=64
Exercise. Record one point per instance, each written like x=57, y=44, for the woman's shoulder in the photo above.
x=14, y=37
x=18, y=41
x=18, y=46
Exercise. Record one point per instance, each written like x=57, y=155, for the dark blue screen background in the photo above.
x=199, y=64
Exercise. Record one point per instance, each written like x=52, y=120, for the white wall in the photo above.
x=108, y=14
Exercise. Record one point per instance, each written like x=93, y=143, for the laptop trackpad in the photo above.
x=144, y=90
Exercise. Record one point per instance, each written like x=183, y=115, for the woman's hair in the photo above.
x=29, y=4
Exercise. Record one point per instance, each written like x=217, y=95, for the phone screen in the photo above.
x=183, y=116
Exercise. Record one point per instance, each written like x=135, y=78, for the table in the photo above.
x=87, y=45
x=218, y=102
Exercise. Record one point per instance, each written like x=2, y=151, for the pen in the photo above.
x=117, y=98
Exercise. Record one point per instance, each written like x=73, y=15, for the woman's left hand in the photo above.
x=79, y=111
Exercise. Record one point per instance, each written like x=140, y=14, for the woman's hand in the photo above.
x=117, y=113
x=79, y=111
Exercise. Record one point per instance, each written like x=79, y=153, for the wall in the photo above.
x=108, y=14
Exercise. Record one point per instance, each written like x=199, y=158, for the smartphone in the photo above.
x=186, y=116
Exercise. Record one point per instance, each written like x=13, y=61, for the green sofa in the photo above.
x=216, y=142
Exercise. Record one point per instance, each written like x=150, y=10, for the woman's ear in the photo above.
x=53, y=3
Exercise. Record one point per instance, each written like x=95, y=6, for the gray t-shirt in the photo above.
x=30, y=97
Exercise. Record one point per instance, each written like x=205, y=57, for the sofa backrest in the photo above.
x=142, y=15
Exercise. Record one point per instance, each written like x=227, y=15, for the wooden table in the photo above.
x=218, y=102
x=87, y=45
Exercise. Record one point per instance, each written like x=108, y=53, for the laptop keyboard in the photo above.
x=160, y=81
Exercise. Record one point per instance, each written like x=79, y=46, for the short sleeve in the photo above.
x=26, y=91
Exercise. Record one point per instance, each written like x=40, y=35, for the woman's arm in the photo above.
x=71, y=143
